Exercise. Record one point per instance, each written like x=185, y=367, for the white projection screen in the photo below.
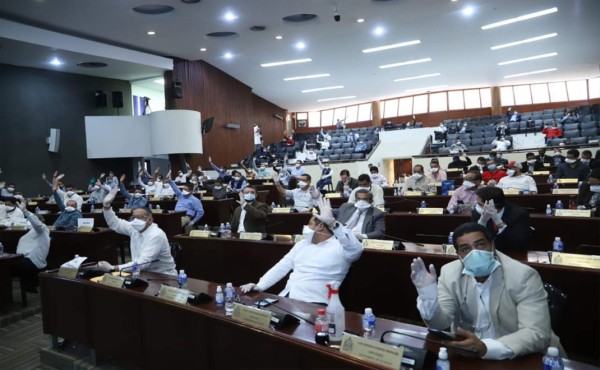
x=163, y=132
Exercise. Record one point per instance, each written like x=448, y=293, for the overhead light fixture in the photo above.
x=228, y=55
x=528, y=58
x=437, y=87
x=202, y=49
x=322, y=89
x=393, y=46
x=300, y=45
x=531, y=73
x=360, y=20
x=160, y=81
x=56, y=62
x=282, y=63
x=378, y=31
x=532, y=39
x=151, y=33
x=230, y=16
x=338, y=98
x=278, y=37
x=306, y=77
x=416, y=61
x=519, y=18
x=468, y=11
x=417, y=77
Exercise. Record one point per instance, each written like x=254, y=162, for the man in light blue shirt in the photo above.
x=188, y=203
x=297, y=170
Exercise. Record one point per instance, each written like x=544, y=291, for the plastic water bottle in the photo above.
x=37, y=210
x=227, y=231
x=135, y=270
x=548, y=210
x=336, y=312
x=222, y=230
x=525, y=190
x=550, y=179
x=451, y=238
x=219, y=300
x=442, y=363
x=555, y=186
x=229, y=297
x=557, y=245
x=92, y=208
x=368, y=322
x=1, y=249
x=158, y=206
x=423, y=204
x=322, y=328
x=552, y=360
x=206, y=227
x=273, y=205
x=559, y=205
x=182, y=279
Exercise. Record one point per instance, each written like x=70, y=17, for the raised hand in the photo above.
x=325, y=212
x=122, y=178
x=419, y=274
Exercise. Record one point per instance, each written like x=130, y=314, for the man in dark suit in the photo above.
x=532, y=164
x=366, y=221
x=251, y=215
x=507, y=222
x=346, y=184
x=542, y=157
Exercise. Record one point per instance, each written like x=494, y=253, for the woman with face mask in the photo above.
x=589, y=193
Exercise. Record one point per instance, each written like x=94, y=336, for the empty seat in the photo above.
x=571, y=134
x=334, y=157
x=345, y=157
x=346, y=145
x=474, y=148
x=358, y=156
x=479, y=141
x=328, y=152
x=487, y=147
x=450, y=142
x=338, y=151
x=571, y=126
x=464, y=137
x=336, y=145
x=578, y=141
x=489, y=140
x=348, y=150
x=555, y=142
x=452, y=136
x=476, y=135
x=444, y=150
x=586, y=118
x=587, y=125
x=589, y=132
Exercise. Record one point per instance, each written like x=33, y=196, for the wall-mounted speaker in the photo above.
x=117, y=99
x=234, y=126
x=177, y=89
x=53, y=140
x=100, y=99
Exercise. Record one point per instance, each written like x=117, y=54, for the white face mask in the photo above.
x=434, y=169
x=70, y=193
x=138, y=224
x=237, y=178
x=468, y=184
x=185, y=193
x=362, y=204
x=298, y=166
x=595, y=188
x=417, y=176
x=308, y=233
x=69, y=209
x=570, y=160
x=150, y=183
x=137, y=195
x=217, y=187
x=531, y=161
x=585, y=160
x=510, y=172
x=302, y=184
x=250, y=197
x=10, y=190
x=95, y=188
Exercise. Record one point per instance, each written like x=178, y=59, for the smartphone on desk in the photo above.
x=266, y=302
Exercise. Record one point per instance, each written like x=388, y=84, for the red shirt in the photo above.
x=552, y=132
x=489, y=175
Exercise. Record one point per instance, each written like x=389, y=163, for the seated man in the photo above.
x=376, y=178
x=466, y=193
x=326, y=174
x=418, y=181
x=364, y=182
x=458, y=147
x=251, y=215
x=70, y=194
x=148, y=243
x=360, y=147
x=134, y=201
x=552, y=132
x=436, y=174
x=188, y=203
x=10, y=214
x=505, y=221
x=309, y=153
x=501, y=144
x=346, y=183
x=589, y=193
x=572, y=168
x=218, y=190
x=325, y=255
x=68, y=215
x=517, y=180
x=458, y=163
x=557, y=157
x=163, y=189
x=493, y=174
x=481, y=165
x=237, y=183
x=542, y=157
x=364, y=220
x=34, y=247
x=304, y=196
x=532, y=164
x=498, y=304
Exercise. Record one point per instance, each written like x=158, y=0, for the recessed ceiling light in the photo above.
x=56, y=62
x=528, y=58
x=360, y=20
x=300, y=45
x=92, y=64
x=151, y=33
x=322, y=88
x=531, y=73
x=454, y=1
x=228, y=55
x=393, y=46
x=202, y=49
x=378, y=31
x=152, y=9
x=160, y=81
x=295, y=61
x=468, y=11
x=338, y=98
x=306, y=77
x=437, y=87
x=278, y=37
x=230, y=16
x=519, y=18
x=416, y=61
x=532, y=39
x=417, y=77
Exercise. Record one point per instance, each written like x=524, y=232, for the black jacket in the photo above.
x=517, y=235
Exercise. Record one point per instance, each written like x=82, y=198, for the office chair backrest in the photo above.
x=176, y=253
x=556, y=304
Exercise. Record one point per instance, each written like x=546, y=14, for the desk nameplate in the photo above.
x=383, y=245
x=540, y=173
x=113, y=280
x=68, y=272
x=431, y=211
x=511, y=191
x=282, y=210
x=157, y=211
x=333, y=195
x=173, y=294
x=372, y=351
x=208, y=198
x=573, y=213
x=250, y=236
x=567, y=181
x=570, y=191
x=579, y=260
x=412, y=193
x=251, y=316
x=200, y=233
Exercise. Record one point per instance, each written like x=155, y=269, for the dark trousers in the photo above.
x=28, y=275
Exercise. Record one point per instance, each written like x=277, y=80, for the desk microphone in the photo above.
x=402, y=240
x=403, y=199
x=433, y=235
x=133, y=282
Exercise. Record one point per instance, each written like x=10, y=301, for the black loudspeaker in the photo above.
x=100, y=99
x=207, y=125
x=177, y=89
x=117, y=99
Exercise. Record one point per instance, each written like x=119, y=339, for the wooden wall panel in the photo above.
x=214, y=93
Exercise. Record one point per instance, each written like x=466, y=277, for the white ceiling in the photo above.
x=459, y=48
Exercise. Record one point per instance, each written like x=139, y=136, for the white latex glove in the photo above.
x=102, y=175
x=250, y=287
x=199, y=168
x=275, y=177
x=210, y=159
x=419, y=274
x=242, y=201
x=44, y=177
x=490, y=208
x=105, y=266
x=2, y=184
x=108, y=199
x=22, y=206
x=325, y=212
x=168, y=176
x=359, y=235
x=491, y=183
x=314, y=192
x=60, y=176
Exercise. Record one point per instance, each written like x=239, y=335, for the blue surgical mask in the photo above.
x=250, y=197
x=479, y=263
x=491, y=167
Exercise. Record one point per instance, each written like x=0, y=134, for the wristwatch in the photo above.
x=335, y=225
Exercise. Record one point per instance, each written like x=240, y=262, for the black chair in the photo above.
x=588, y=249
x=557, y=301
x=176, y=253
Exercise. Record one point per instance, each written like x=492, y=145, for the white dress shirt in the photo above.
x=11, y=217
x=76, y=197
x=314, y=265
x=147, y=246
x=150, y=189
x=377, y=192
x=36, y=243
x=355, y=222
x=164, y=190
x=518, y=182
x=377, y=179
x=241, y=227
x=303, y=199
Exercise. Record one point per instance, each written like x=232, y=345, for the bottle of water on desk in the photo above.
x=227, y=231
x=442, y=362
x=557, y=245
x=322, y=328
x=219, y=299
x=423, y=204
x=552, y=360
x=135, y=270
x=273, y=205
x=206, y=227
x=229, y=297
x=559, y=205
x=222, y=230
x=550, y=179
x=368, y=322
x=182, y=279
x=451, y=238
x=37, y=210
x=92, y=208
x=1, y=249
x=548, y=210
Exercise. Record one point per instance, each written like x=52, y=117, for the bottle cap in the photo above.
x=553, y=351
x=557, y=239
x=321, y=311
x=181, y=272
x=443, y=354
x=219, y=289
x=368, y=311
x=229, y=285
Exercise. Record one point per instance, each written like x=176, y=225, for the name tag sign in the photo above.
x=579, y=260
x=450, y=192
x=208, y=198
x=282, y=238
x=173, y=294
x=112, y=280
x=333, y=195
x=124, y=210
x=565, y=191
x=413, y=193
x=369, y=350
x=32, y=204
x=154, y=199
x=157, y=211
x=268, y=182
x=200, y=233
x=383, y=245
x=567, y=181
x=250, y=236
x=546, y=164
x=431, y=211
x=541, y=172
x=202, y=192
x=449, y=249
x=454, y=170
x=573, y=212
x=251, y=316
x=68, y=272
x=282, y=210
x=437, y=184
x=511, y=191
x=85, y=224
x=18, y=227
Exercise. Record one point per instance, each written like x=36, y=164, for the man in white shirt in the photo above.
x=163, y=188
x=436, y=174
x=150, y=248
x=364, y=182
x=517, y=180
x=482, y=297
x=69, y=194
x=418, y=181
x=10, y=214
x=376, y=178
x=501, y=144
x=458, y=147
x=304, y=196
x=325, y=255
x=257, y=137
